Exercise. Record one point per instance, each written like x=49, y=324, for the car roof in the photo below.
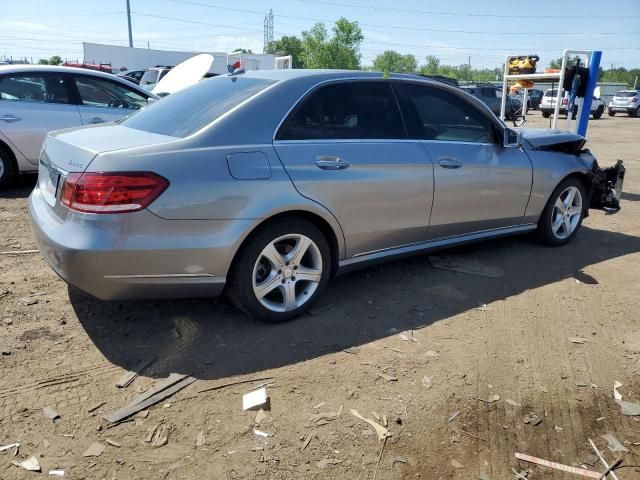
x=291, y=74
x=22, y=68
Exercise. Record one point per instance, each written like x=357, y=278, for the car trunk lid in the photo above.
x=67, y=151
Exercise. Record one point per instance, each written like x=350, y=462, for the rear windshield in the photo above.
x=189, y=110
x=626, y=94
x=551, y=93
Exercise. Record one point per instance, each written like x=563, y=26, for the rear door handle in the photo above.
x=10, y=118
x=450, y=162
x=330, y=162
x=96, y=120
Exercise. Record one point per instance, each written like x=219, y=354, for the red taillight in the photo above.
x=111, y=192
x=565, y=101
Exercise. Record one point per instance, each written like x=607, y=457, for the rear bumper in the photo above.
x=136, y=255
x=622, y=108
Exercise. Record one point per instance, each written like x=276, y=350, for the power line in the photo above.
x=456, y=14
x=397, y=27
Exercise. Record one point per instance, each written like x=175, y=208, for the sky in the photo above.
x=479, y=31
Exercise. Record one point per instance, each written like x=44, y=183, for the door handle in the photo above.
x=330, y=162
x=10, y=118
x=450, y=162
x=96, y=120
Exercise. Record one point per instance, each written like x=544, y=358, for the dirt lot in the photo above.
x=474, y=337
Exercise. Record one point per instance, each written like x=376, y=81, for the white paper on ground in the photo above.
x=254, y=399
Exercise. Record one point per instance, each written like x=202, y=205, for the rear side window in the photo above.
x=97, y=92
x=434, y=114
x=304, y=123
x=626, y=94
x=187, y=111
x=488, y=92
x=360, y=110
x=47, y=88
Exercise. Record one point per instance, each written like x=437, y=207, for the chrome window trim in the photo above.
x=484, y=110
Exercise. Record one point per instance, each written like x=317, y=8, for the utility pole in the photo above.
x=129, y=22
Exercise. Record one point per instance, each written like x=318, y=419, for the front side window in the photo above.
x=488, y=92
x=96, y=92
x=360, y=110
x=46, y=88
x=434, y=114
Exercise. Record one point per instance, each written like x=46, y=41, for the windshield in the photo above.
x=626, y=94
x=551, y=93
x=191, y=109
x=149, y=77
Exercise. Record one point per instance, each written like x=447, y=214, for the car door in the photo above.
x=479, y=184
x=102, y=100
x=32, y=104
x=345, y=147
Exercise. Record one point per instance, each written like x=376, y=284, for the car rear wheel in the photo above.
x=546, y=114
x=7, y=170
x=281, y=271
x=636, y=113
x=611, y=113
x=563, y=215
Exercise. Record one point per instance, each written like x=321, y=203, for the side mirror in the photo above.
x=512, y=138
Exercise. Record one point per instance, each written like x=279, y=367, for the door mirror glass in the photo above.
x=512, y=138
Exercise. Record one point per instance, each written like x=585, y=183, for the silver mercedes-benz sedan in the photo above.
x=264, y=184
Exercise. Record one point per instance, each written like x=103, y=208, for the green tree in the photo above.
x=43, y=61
x=557, y=62
x=392, y=61
x=288, y=45
x=242, y=50
x=432, y=66
x=342, y=50
x=55, y=60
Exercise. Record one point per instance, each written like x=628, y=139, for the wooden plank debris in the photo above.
x=558, y=466
x=174, y=383
x=131, y=375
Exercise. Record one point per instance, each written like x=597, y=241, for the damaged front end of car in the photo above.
x=606, y=183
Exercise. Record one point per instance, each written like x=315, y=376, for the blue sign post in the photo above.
x=594, y=67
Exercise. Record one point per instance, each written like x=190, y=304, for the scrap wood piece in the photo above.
x=382, y=432
x=375, y=473
x=95, y=406
x=19, y=252
x=595, y=449
x=464, y=265
x=307, y=441
x=558, y=466
x=174, y=383
x=230, y=384
x=578, y=340
x=131, y=375
x=614, y=444
x=7, y=447
x=31, y=464
x=94, y=450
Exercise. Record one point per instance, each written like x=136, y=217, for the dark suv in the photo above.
x=492, y=96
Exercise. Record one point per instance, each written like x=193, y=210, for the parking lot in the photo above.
x=429, y=349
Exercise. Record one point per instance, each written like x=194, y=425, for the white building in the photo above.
x=141, y=58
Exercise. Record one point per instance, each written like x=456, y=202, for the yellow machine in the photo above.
x=524, y=64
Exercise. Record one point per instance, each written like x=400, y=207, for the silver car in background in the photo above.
x=264, y=184
x=625, y=101
x=35, y=99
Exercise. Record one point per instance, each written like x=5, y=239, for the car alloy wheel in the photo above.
x=567, y=212
x=287, y=273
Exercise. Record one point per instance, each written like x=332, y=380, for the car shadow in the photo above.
x=210, y=339
x=20, y=187
x=630, y=197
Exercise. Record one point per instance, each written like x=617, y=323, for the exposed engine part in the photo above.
x=607, y=185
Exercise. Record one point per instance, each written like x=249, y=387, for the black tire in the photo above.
x=7, y=167
x=611, y=113
x=546, y=114
x=240, y=287
x=598, y=113
x=636, y=113
x=545, y=231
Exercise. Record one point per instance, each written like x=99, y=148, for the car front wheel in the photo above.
x=611, y=113
x=281, y=271
x=546, y=114
x=562, y=216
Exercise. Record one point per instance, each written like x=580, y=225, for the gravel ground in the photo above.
x=431, y=347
